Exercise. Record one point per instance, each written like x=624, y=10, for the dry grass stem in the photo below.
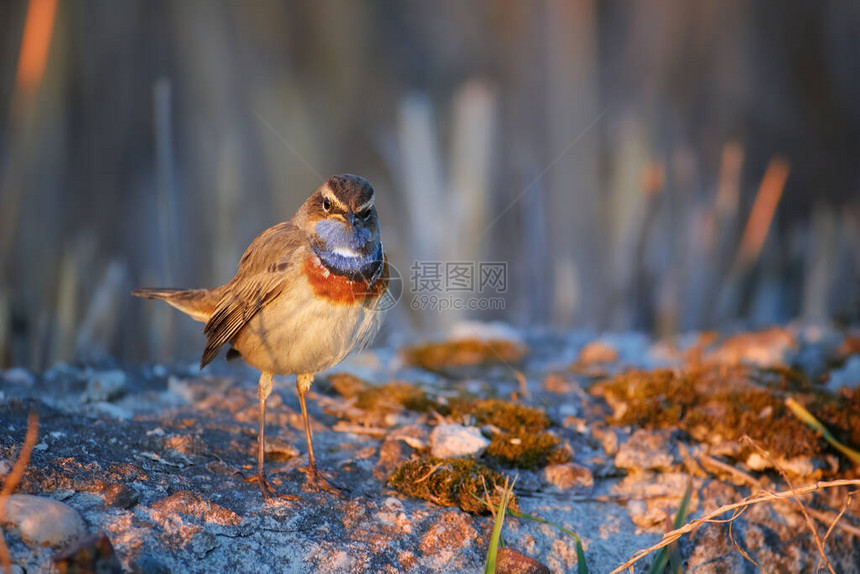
x=762, y=212
x=809, y=522
x=838, y=516
x=14, y=478
x=719, y=466
x=713, y=465
x=735, y=544
x=756, y=498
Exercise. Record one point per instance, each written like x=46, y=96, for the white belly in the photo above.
x=300, y=333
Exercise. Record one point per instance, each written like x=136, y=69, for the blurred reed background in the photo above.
x=662, y=166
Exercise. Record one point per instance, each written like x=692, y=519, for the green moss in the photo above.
x=450, y=482
x=505, y=415
x=526, y=450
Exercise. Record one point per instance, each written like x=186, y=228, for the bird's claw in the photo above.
x=317, y=482
x=269, y=493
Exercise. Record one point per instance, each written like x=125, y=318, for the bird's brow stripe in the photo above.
x=364, y=206
x=332, y=198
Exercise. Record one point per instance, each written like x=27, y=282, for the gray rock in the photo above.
x=847, y=376
x=609, y=437
x=40, y=521
x=63, y=377
x=392, y=513
x=92, y=554
x=392, y=453
x=819, y=345
x=19, y=376
x=456, y=440
x=111, y=410
x=169, y=487
x=648, y=450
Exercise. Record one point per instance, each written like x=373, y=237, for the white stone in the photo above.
x=104, y=386
x=448, y=441
x=20, y=376
x=40, y=521
x=112, y=410
x=486, y=331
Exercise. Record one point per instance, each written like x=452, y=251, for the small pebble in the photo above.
x=769, y=348
x=510, y=561
x=568, y=476
x=41, y=521
x=104, y=386
x=448, y=441
x=648, y=450
x=598, y=352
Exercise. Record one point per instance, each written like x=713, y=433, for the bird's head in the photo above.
x=341, y=221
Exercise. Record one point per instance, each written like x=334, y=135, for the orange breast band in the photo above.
x=340, y=289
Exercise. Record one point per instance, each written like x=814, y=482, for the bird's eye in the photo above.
x=326, y=204
x=363, y=214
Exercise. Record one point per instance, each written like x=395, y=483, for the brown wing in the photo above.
x=262, y=276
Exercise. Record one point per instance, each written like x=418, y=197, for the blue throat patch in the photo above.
x=359, y=268
x=336, y=236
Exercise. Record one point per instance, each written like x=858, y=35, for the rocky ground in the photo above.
x=143, y=468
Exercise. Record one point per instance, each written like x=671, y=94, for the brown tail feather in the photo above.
x=198, y=303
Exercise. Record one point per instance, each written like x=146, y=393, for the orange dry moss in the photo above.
x=467, y=352
x=714, y=404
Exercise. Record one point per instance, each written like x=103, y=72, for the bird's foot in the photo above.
x=318, y=482
x=269, y=493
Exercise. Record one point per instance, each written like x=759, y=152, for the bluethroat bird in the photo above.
x=305, y=296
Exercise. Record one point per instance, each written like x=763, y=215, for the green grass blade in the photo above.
x=493, y=551
x=808, y=418
x=671, y=552
x=681, y=515
x=581, y=566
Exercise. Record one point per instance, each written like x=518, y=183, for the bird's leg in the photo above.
x=316, y=480
x=264, y=389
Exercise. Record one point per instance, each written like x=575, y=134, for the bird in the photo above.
x=306, y=294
